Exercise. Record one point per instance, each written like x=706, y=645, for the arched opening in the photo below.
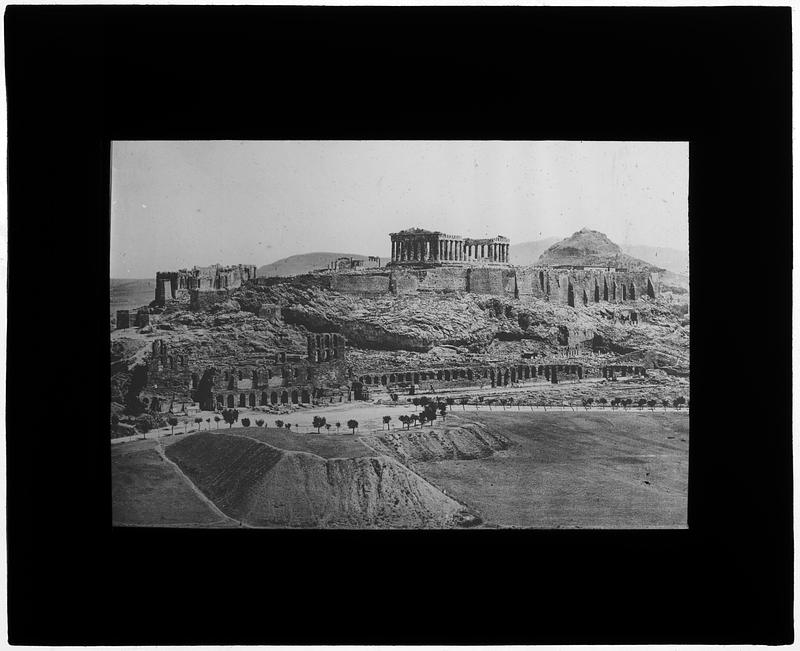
x=463, y=373
x=384, y=380
x=252, y=400
x=305, y=397
x=264, y=398
x=491, y=377
x=447, y=375
x=633, y=292
x=624, y=293
x=570, y=295
x=284, y=398
x=513, y=375
x=439, y=375
x=195, y=380
x=596, y=292
x=650, y=291
x=614, y=291
x=220, y=401
x=605, y=290
x=541, y=280
x=240, y=375
x=506, y=377
x=585, y=298
x=243, y=400
x=171, y=362
x=470, y=375
x=273, y=398
x=408, y=377
x=255, y=378
x=295, y=398
x=392, y=379
x=231, y=401
x=415, y=378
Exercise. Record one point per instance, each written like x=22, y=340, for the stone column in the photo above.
x=393, y=248
x=450, y=250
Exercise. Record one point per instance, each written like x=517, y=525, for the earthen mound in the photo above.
x=467, y=441
x=263, y=486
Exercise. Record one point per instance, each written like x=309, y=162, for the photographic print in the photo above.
x=400, y=334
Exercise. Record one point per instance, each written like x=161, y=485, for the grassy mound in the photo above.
x=264, y=486
x=468, y=441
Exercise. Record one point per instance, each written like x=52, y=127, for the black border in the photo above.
x=78, y=77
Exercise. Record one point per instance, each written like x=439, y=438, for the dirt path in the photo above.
x=160, y=449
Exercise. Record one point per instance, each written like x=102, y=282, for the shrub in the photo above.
x=353, y=425
x=278, y=423
x=259, y=422
x=172, y=421
x=245, y=422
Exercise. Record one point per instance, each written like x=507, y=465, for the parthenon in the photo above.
x=416, y=245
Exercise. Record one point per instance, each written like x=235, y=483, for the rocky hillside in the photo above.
x=591, y=248
x=304, y=263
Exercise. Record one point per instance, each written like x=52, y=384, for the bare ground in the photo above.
x=574, y=470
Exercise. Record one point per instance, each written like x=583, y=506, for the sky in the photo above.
x=178, y=204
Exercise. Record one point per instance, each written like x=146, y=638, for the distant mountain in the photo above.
x=305, y=262
x=672, y=260
x=591, y=249
x=130, y=293
x=526, y=253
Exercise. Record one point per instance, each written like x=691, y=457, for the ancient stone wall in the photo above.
x=362, y=284
x=578, y=287
x=494, y=281
x=200, y=300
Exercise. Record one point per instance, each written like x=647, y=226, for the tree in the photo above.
x=642, y=402
x=230, y=416
x=185, y=424
x=589, y=402
x=172, y=422
x=403, y=419
x=259, y=422
x=393, y=396
x=338, y=425
x=216, y=420
x=144, y=428
x=680, y=400
x=602, y=402
x=628, y=402
x=665, y=404
x=319, y=422
x=651, y=404
x=327, y=427
x=503, y=402
x=208, y=423
x=279, y=424
x=423, y=417
x=464, y=401
x=443, y=410
x=414, y=418
x=415, y=402
x=245, y=422
x=450, y=402
x=198, y=420
x=114, y=420
x=386, y=420
x=424, y=400
x=353, y=425
x=287, y=426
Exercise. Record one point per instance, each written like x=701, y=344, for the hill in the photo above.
x=304, y=263
x=591, y=248
x=130, y=293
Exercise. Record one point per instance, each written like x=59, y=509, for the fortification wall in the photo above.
x=360, y=283
x=490, y=280
x=202, y=300
x=434, y=279
x=581, y=287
